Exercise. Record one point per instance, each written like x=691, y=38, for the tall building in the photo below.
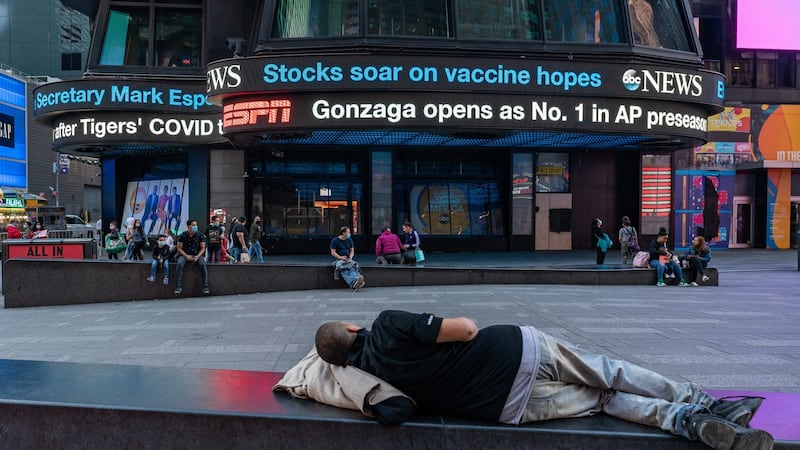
x=43, y=41
x=488, y=125
x=44, y=38
x=749, y=170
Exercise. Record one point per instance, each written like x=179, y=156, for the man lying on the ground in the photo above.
x=516, y=374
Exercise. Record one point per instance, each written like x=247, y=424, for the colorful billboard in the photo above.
x=159, y=204
x=13, y=133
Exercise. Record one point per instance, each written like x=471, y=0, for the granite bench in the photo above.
x=77, y=405
x=99, y=281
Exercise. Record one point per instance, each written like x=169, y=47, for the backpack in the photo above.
x=641, y=260
x=630, y=238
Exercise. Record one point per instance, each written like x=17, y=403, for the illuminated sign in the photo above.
x=46, y=251
x=249, y=113
x=122, y=127
x=223, y=77
x=437, y=110
x=12, y=203
x=358, y=73
x=13, y=132
x=98, y=95
x=6, y=130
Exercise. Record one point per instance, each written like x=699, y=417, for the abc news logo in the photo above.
x=663, y=82
x=252, y=112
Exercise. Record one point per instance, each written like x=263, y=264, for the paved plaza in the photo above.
x=741, y=335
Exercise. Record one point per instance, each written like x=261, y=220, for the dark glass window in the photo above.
x=71, y=61
x=127, y=37
x=581, y=21
x=659, y=24
x=408, y=18
x=311, y=18
x=179, y=35
x=499, y=19
x=173, y=39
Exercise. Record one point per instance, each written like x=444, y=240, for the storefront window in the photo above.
x=552, y=172
x=305, y=209
x=659, y=24
x=656, y=193
x=408, y=18
x=381, y=191
x=522, y=194
x=499, y=19
x=593, y=22
x=451, y=209
x=175, y=41
x=314, y=18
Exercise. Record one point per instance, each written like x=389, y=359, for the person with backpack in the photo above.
x=214, y=237
x=629, y=240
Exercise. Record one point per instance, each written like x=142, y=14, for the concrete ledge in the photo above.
x=70, y=405
x=66, y=282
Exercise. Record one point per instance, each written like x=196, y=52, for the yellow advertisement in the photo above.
x=732, y=119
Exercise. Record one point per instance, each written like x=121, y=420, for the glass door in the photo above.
x=742, y=229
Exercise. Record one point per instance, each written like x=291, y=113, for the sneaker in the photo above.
x=683, y=284
x=166, y=280
x=722, y=434
x=661, y=283
x=669, y=275
x=151, y=279
x=177, y=290
x=358, y=283
x=693, y=284
x=739, y=411
x=206, y=290
x=705, y=278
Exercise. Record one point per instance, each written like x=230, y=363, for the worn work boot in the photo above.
x=739, y=411
x=721, y=434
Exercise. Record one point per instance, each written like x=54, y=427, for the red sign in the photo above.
x=249, y=113
x=46, y=251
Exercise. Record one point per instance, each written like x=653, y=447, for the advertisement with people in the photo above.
x=159, y=204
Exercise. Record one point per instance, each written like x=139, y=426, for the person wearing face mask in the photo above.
x=214, y=238
x=115, y=242
x=343, y=250
x=139, y=240
x=255, y=240
x=191, y=250
x=160, y=258
x=39, y=232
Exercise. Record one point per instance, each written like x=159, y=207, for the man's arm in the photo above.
x=459, y=329
x=240, y=236
x=180, y=250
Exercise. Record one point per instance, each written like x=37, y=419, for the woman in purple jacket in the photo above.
x=388, y=247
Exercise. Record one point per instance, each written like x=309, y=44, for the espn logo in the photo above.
x=249, y=113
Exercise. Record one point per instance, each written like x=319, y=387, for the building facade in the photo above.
x=500, y=125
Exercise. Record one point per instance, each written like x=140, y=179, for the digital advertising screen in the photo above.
x=13, y=132
x=767, y=25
